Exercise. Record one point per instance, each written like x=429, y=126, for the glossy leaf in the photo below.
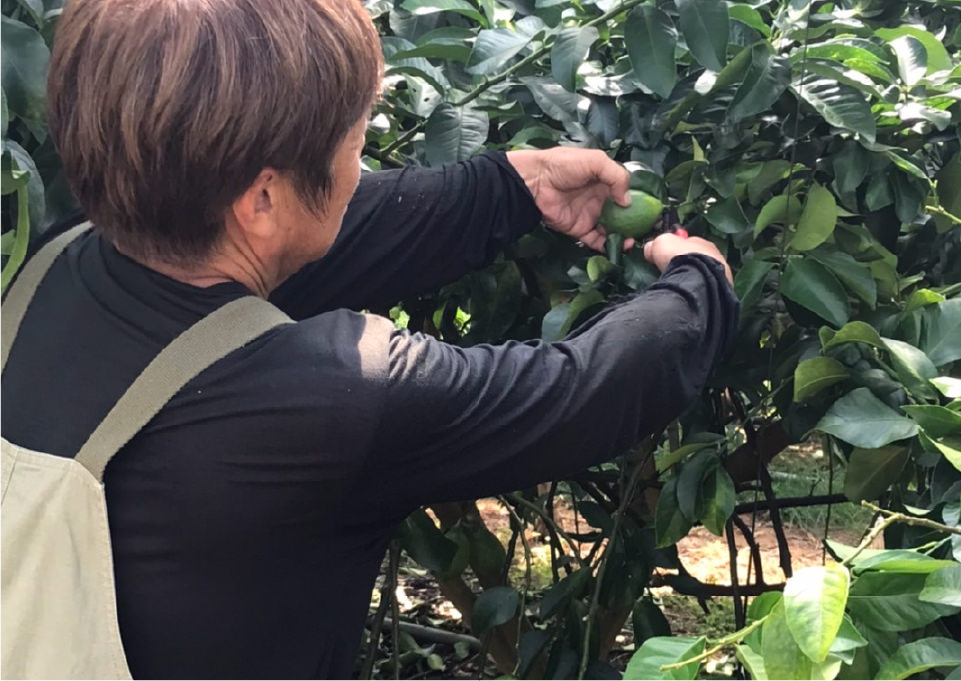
x=656, y=652
x=856, y=332
x=704, y=24
x=938, y=422
x=941, y=340
x=650, y=37
x=913, y=368
x=421, y=7
x=863, y=420
x=943, y=586
x=855, y=276
x=766, y=78
x=814, y=600
x=670, y=525
x=783, y=659
x=495, y=606
x=840, y=105
x=918, y=656
x=815, y=374
x=817, y=220
x=890, y=602
x=454, y=133
x=811, y=285
x=912, y=59
x=938, y=58
x=749, y=282
x=24, y=63
x=871, y=471
x=780, y=208
x=569, y=52
x=720, y=498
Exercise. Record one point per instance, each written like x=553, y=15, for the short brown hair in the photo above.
x=165, y=111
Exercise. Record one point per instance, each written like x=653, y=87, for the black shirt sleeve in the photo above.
x=462, y=423
x=412, y=230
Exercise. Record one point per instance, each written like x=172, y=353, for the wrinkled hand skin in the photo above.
x=570, y=186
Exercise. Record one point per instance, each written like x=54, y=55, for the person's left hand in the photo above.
x=569, y=186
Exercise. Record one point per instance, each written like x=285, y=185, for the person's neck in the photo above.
x=218, y=269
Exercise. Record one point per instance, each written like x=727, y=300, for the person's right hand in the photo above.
x=659, y=251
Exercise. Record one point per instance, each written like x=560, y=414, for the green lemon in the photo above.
x=634, y=221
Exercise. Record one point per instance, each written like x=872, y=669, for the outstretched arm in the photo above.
x=460, y=423
x=413, y=230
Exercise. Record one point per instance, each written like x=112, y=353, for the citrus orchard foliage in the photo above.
x=817, y=144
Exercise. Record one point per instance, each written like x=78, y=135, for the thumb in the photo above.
x=617, y=178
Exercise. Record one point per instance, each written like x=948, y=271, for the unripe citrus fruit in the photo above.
x=634, y=221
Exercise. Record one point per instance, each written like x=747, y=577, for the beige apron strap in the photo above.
x=16, y=303
x=209, y=340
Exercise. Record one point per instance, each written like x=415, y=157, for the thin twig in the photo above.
x=548, y=521
x=527, y=576
x=722, y=643
x=605, y=559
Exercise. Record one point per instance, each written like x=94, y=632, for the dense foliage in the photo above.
x=817, y=144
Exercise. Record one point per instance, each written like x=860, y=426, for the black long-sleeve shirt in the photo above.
x=248, y=519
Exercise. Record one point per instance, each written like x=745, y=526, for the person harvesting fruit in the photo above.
x=215, y=147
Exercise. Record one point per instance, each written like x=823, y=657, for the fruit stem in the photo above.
x=615, y=249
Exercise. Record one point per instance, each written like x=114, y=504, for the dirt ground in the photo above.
x=704, y=555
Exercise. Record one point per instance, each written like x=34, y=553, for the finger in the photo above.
x=593, y=240
x=649, y=251
x=616, y=177
x=629, y=243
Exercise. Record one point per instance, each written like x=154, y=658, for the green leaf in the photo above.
x=871, y=471
x=854, y=275
x=727, y=216
x=937, y=421
x=814, y=374
x=918, y=656
x=719, y=500
x=817, y=220
x=783, y=659
x=889, y=601
x=562, y=592
x=425, y=543
x=949, y=191
x=689, y=497
x=670, y=525
x=950, y=447
x=938, y=58
x=811, y=285
x=23, y=69
x=780, y=208
x=840, y=105
x=569, y=52
x=920, y=298
x=421, y=7
x=4, y=113
x=704, y=24
x=814, y=600
x=941, y=338
x=753, y=662
x=856, y=332
x=863, y=420
x=943, y=586
x=766, y=78
x=949, y=387
x=454, y=133
x=495, y=47
x=495, y=606
x=749, y=16
x=656, y=652
x=913, y=368
x=554, y=100
x=848, y=640
x=749, y=282
x=912, y=59
x=650, y=37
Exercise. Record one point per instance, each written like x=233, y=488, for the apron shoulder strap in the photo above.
x=209, y=340
x=18, y=300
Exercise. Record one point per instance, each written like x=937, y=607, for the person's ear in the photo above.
x=256, y=210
